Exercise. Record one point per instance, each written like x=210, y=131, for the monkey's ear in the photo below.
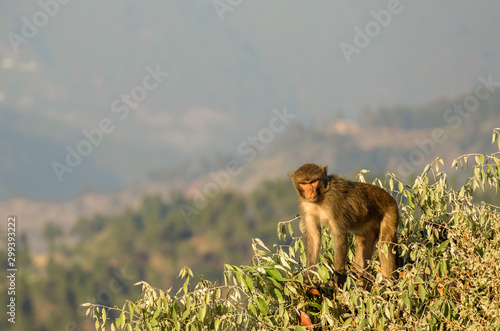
x=324, y=170
x=291, y=174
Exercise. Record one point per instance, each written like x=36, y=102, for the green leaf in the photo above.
x=387, y=313
x=202, y=313
x=385, y=250
x=185, y=314
x=177, y=324
x=323, y=273
x=262, y=304
x=369, y=306
x=291, y=288
x=157, y=312
x=442, y=246
x=413, y=255
x=217, y=324
x=477, y=172
x=252, y=308
x=411, y=202
x=120, y=321
x=261, y=244
x=490, y=169
x=238, y=273
x=286, y=265
x=174, y=313
x=271, y=271
x=286, y=320
x=444, y=267
x=275, y=283
x=411, y=288
x=249, y=283
x=278, y=295
x=426, y=169
x=406, y=300
x=185, y=272
x=300, y=278
x=421, y=293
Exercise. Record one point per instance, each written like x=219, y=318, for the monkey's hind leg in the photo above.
x=365, y=245
x=388, y=238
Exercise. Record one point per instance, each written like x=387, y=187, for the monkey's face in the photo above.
x=308, y=181
x=310, y=189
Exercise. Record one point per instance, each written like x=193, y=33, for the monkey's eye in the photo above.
x=309, y=182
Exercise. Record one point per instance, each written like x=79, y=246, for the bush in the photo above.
x=449, y=248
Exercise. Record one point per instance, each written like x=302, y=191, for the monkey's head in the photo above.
x=309, y=181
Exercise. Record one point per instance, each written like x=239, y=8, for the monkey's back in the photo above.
x=355, y=202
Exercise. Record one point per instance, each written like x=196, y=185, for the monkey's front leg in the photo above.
x=340, y=257
x=312, y=231
x=340, y=254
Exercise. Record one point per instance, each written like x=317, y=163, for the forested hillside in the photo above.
x=105, y=255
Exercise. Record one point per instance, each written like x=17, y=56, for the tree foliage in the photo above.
x=450, y=253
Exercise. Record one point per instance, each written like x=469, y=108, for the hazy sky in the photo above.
x=221, y=68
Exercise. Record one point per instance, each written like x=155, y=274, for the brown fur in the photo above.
x=366, y=210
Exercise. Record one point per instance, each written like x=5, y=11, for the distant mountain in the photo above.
x=380, y=141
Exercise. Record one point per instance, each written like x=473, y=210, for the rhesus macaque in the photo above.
x=366, y=210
